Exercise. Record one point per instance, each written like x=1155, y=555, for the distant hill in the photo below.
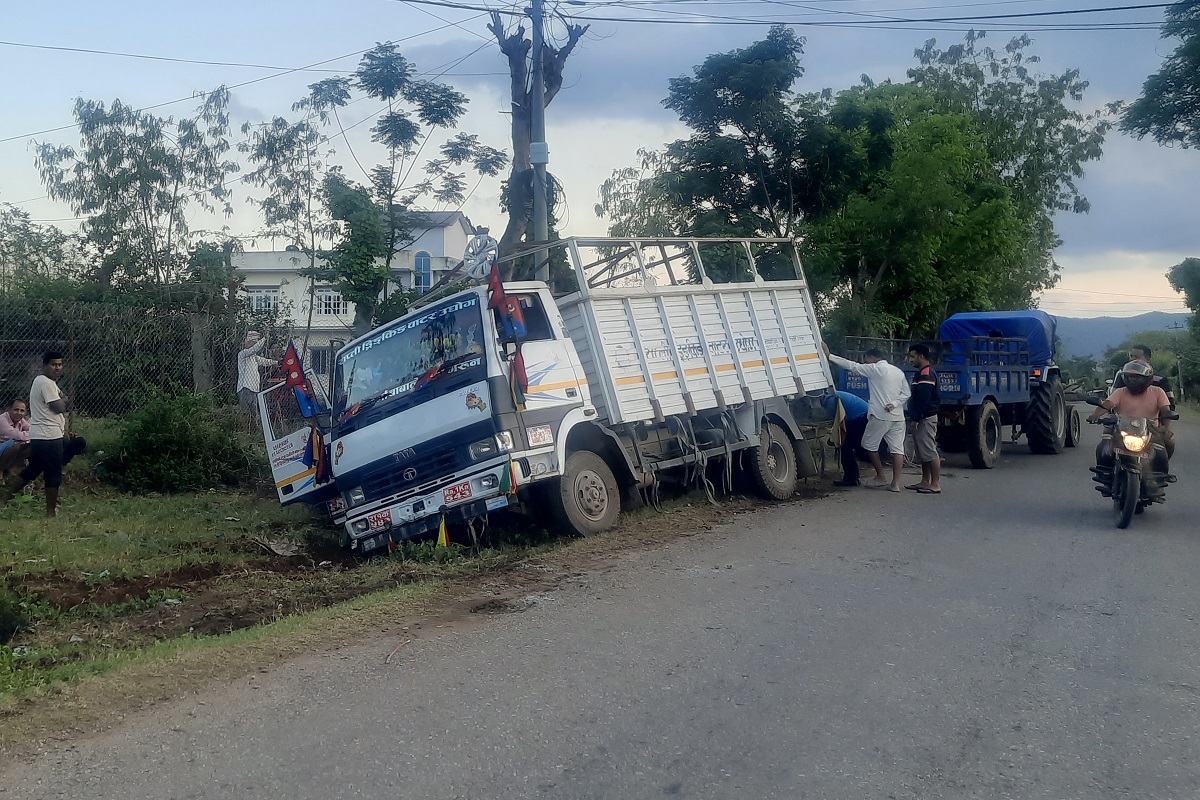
x=1091, y=337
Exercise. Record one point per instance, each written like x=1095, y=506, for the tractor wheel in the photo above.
x=1046, y=418
x=1074, y=427
x=985, y=435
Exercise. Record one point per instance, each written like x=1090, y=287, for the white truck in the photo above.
x=671, y=355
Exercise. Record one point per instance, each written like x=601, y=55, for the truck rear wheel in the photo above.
x=773, y=463
x=1046, y=418
x=985, y=435
x=1074, y=427
x=588, y=498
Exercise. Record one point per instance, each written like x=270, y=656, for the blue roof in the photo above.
x=1035, y=326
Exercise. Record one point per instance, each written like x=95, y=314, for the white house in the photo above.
x=272, y=280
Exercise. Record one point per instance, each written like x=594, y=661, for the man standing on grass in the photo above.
x=50, y=446
x=923, y=420
x=889, y=392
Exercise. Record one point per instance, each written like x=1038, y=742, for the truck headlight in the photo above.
x=356, y=496
x=505, y=440
x=1134, y=443
x=360, y=525
x=484, y=448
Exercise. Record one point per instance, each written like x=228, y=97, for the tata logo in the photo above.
x=410, y=474
x=404, y=454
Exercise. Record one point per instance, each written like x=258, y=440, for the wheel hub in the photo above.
x=591, y=494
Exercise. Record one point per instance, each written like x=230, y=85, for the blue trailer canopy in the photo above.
x=1035, y=326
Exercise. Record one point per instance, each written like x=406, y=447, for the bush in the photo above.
x=176, y=444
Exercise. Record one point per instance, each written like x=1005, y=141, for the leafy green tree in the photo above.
x=1184, y=278
x=1168, y=109
x=30, y=252
x=358, y=263
x=134, y=180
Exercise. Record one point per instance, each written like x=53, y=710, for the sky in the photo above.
x=1144, y=203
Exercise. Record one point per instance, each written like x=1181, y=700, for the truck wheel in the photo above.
x=1046, y=418
x=1074, y=427
x=588, y=498
x=773, y=463
x=985, y=435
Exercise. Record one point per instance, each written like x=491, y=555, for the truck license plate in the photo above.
x=457, y=492
x=379, y=519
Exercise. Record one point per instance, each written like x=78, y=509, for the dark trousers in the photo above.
x=852, y=447
x=47, y=458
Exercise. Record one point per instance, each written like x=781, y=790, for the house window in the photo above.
x=423, y=272
x=330, y=303
x=320, y=360
x=263, y=299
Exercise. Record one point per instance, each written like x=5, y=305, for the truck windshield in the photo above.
x=419, y=351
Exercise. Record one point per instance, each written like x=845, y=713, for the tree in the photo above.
x=1168, y=109
x=357, y=264
x=1184, y=278
x=29, y=251
x=518, y=192
x=134, y=180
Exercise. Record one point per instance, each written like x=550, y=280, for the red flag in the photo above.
x=293, y=367
x=496, y=294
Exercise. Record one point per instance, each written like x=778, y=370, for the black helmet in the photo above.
x=1137, y=376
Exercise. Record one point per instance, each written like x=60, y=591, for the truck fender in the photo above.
x=580, y=432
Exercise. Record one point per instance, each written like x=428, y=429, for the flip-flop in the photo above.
x=895, y=489
x=927, y=490
x=916, y=487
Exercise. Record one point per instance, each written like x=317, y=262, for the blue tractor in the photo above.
x=995, y=368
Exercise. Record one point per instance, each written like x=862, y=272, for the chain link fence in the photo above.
x=117, y=356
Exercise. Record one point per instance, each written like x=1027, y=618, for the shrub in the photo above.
x=175, y=444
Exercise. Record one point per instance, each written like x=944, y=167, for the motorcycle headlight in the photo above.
x=356, y=497
x=1134, y=443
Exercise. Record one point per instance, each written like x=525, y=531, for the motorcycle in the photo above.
x=1131, y=464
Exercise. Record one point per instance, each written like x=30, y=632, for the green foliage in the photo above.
x=357, y=263
x=12, y=617
x=1184, y=278
x=914, y=200
x=135, y=178
x=1168, y=109
x=174, y=444
x=31, y=253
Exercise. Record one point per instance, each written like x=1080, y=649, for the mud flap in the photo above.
x=295, y=447
x=806, y=465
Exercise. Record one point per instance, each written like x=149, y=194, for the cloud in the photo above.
x=1115, y=283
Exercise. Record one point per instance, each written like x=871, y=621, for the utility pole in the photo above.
x=539, y=151
x=1178, y=357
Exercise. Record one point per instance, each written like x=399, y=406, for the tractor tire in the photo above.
x=773, y=463
x=1074, y=427
x=1046, y=418
x=587, y=498
x=985, y=435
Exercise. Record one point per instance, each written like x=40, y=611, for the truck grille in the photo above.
x=399, y=476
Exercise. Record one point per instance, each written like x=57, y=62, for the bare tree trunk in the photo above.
x=515, y=48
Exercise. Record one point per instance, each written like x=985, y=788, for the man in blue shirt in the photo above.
x=855, y=425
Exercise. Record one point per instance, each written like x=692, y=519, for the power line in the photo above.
x=1113, y=294
x=59, y=48
x=237, y=85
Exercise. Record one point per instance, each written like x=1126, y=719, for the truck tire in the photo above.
x=1046, y=418
x=773, y=463
x=985, y=435
x=1074, y=427
x=587, y=498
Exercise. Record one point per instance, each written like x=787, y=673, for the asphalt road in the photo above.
x=1001, y=640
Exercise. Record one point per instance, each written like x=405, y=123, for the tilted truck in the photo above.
x=995, y=368
x=671, y=355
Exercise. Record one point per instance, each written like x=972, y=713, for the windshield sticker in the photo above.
x=462, y=305
x=476, y=402
x=337, y=453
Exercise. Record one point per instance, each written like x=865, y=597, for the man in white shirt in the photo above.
x=249, y=362
x=50, y=446
x=889, y=390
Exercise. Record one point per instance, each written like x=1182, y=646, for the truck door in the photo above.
x=550, y=364
x=295, y=443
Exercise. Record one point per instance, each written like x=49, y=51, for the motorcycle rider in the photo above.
x=1142, y=353
x=1138, y=397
